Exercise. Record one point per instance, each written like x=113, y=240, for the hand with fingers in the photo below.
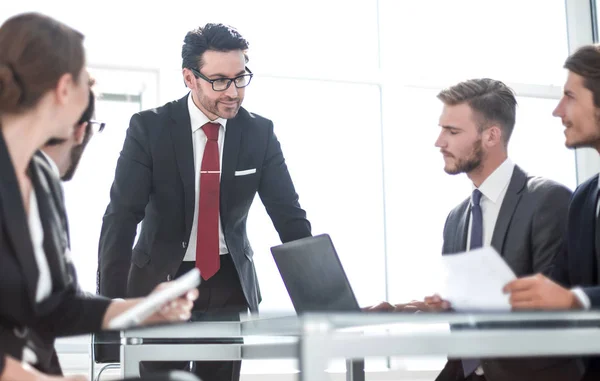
x=435, y=303
x=539, y=292
x=179, y=309
x=430, y=304
x=381, y=307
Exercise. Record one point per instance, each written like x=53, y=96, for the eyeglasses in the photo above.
x=223, y=84
x=96, y=125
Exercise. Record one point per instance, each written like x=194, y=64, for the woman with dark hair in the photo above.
x=44, y=89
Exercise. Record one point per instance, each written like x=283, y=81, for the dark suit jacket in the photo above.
x=529, y=233
x=23, y=321
x=577, y=266
x=59, y=198
x=154, y=182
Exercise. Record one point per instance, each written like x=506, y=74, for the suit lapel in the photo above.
x=54, y=243
x=57, y=194
x=181, y=133
x=231, y=149
x=15, y=221
x=463, y=228
x=508, y=207
x=584, y=230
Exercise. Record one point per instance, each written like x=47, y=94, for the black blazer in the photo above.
x=54, y=367
x=23, y=322
x=154, y=182
x=577, y=266
x=529, y=234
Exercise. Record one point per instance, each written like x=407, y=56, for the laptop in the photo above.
x=313, y=276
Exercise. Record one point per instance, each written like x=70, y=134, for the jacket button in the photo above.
x=169, y=277
x=184, y=244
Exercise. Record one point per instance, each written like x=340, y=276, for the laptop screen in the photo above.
x=314, y=276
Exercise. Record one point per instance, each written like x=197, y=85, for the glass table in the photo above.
x=315, y=339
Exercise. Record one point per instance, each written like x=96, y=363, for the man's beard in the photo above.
x=76, y=153
x=589, y=141
x=212, y=106
x=55, y=142
x=472, y=162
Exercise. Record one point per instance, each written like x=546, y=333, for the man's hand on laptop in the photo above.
x=381, y=307
x=432, y=303
x=412, y=306
x=435, y=303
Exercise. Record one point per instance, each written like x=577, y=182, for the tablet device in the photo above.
x=149, y=305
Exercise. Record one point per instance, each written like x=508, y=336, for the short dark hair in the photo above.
x=586, y=63
x=217, y=37
x=491, y=100
x=36, y=51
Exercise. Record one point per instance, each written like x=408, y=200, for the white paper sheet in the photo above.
x=474, y=280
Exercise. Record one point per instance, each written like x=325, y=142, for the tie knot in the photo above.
x=211, y=130
x=476, y=196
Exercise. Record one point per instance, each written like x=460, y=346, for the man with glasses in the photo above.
x=190, y=170
x=65, y=154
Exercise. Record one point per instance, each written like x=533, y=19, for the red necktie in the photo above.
x=207, y=244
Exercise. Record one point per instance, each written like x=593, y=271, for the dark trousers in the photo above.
x=453, y=372
x=592, y=369
x=221, y=299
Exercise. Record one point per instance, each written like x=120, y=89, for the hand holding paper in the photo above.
x=474, y=280
x=169, y=302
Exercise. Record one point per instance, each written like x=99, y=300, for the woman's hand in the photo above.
x=175, y=310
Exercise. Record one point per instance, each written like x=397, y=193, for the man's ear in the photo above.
x=80, y=132
x=492, y=136
x=189, y=79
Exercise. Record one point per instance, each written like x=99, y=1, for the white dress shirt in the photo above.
x=493, y=190
x=36, y=230
x=582, y=296
x=198, y=119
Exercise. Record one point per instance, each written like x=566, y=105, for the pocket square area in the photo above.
x=245, y=172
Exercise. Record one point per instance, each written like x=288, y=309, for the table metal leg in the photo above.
x=355, y=370
x=314, y=351
x=130, y=361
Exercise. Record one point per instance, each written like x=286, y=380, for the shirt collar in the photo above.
x=52, y=163
x=495, y=183
x=197, y=117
